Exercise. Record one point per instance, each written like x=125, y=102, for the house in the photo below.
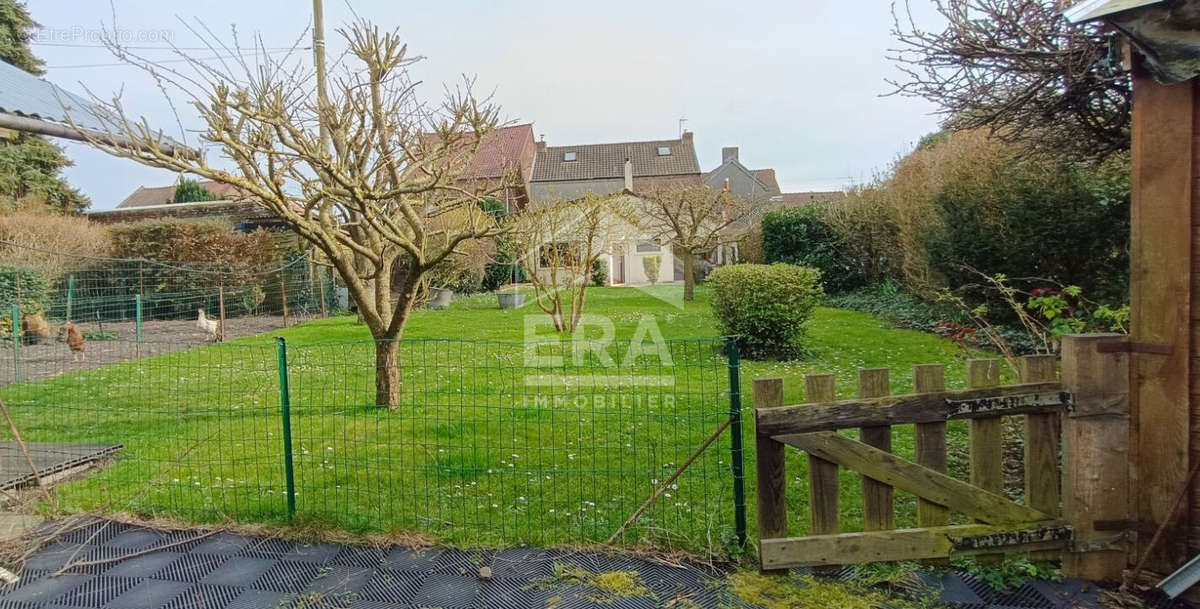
x=156, y=203
x=800, y=199
x=750, y=183
x=569, y=172
x=504, y=160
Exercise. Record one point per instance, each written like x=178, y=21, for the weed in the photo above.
x=1009, y=573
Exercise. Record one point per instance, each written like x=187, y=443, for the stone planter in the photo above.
x=511, y=300
x=440, y=298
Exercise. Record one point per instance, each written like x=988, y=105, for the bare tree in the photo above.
x=694, y=220
x=382, y=201
x=1020, y=69
x=560, y=241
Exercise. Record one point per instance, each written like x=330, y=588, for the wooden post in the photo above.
x=283, y=295
x=1096, y=444
x=221, y=310
x=1162, y=281
x=1042, y=433
x=986, y=435
x=879, y=512
x=930, y=442
x=822, y=474
x=771, y=468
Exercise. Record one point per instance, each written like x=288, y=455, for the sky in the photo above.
x=799, y=86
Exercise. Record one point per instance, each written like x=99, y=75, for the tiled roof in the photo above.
x=601, y=161
x=798, y=199
x=500, y=151
x=160, y=195
x=503, y=149
x=767, y=177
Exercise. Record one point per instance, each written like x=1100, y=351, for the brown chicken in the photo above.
x=75, y=342
x=34, y=328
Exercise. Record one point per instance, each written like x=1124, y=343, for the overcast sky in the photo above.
x=796, y=85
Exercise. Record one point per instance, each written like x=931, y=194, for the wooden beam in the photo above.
x=937, y=487
x=822, y=473
x=771, y=468
x=1042, y=440
x=1096, y=483
x=879, y=512
x=907, y=544
x=930, y=442
x=906, y=409
x=1160, y=286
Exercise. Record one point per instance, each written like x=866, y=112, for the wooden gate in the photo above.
x=987, y=523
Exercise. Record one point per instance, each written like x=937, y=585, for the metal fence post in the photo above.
x=16, y=332
x=286, y=412
x=735, y=444
x=137, y=322
x=70, y=295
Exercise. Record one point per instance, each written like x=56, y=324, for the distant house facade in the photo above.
x=570, y=172
x=750, y=183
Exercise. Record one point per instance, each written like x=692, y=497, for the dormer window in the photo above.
x=569, y=156
x=664, y=151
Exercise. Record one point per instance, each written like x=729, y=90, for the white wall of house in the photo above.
x=635, y=273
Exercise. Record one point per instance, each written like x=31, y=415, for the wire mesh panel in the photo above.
x=199, y=429
x=490, y=446
x=490, y=443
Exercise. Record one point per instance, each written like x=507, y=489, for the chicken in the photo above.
x=75, y=342
x=34, y=328
x=208, y=325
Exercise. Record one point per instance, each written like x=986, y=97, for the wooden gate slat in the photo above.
x=937, y=487
x=986, y=435
x=879, y=512
x=1043, y=434
x=930, y=440
x=822, y=474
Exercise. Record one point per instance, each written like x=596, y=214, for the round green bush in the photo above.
x=767, y=305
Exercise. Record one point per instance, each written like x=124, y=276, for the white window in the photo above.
x=569, y=156
x=648, y=246
x=664, y=151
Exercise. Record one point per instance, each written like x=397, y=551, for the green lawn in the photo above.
x=476, y=455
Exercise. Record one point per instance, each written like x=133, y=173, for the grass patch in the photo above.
x=474, y=455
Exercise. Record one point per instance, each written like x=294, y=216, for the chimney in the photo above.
x=729, y=153
x=541, y=144
x=628, y=174
x=687, y=136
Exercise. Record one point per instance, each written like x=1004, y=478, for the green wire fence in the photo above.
x=486, y=447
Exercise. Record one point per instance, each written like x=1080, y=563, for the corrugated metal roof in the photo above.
x=1094, y=9
x=24, y=94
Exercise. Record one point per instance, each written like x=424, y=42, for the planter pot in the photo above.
x=510, y=301
x=441, y=298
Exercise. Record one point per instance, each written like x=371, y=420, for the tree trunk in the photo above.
x=689, y=276
x=387, y=373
